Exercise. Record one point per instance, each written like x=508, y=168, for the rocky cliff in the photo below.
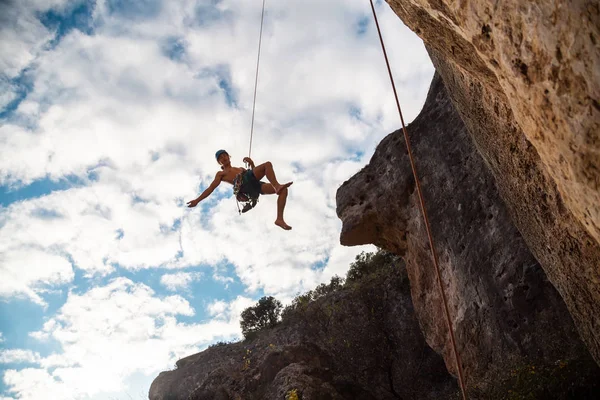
x=362, y=342
x=504, y=308
x=525, y=79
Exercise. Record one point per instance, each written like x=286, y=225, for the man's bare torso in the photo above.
x=229, y=174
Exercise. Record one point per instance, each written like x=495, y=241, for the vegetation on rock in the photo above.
x=265, y=314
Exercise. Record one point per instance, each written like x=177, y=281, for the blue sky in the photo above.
x=110, y=114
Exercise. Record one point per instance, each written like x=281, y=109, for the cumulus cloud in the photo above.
x=24, y=270
x=147, y=160
x=18, y=356
x=23, y=35
x=218, y=307
x=305, y=102
x=73, y=221
x=133, y=114
x=110, y=332
x=226, y=280
x=31, y=383
x=179, y=280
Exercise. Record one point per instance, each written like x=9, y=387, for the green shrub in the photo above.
x=218, y=344
x=367, y=263
x=301, y=301
x=265, y=314
x=325, y=288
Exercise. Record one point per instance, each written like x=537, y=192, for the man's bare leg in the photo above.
x=281, y=200
x=266, y=169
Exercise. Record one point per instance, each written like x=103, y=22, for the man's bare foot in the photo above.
x=281, y=187
x=282, y=225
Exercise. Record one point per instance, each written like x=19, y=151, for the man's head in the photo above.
x=222, y=157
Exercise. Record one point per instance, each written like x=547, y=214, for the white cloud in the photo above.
x=179, y=280
x=86, y=224
x=105, y=75
x=23, y=36
x=230, y=312
x=217, y=307
x=25, y=269
x=19, y=356
x=139, y=131
x=147, y=126
x=225, y=280
x=1, y=337
x=7, y=94
x=35, y=383
x=110, y=333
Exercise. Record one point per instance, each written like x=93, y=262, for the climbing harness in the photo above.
x=425, y=217
x=246, y=190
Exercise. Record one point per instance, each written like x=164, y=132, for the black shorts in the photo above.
x=250, y=185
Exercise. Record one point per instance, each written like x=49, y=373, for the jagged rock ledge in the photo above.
x=504, y=309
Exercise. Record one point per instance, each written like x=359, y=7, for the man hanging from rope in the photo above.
x=249, y=183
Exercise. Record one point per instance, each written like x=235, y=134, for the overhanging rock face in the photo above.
x=503, y=307
x=525, y=78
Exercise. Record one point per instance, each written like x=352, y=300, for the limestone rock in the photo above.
x=504, y=309
x=362, y=342
x=544, y=56
x=525, y=78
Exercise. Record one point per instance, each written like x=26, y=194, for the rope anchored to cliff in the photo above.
x=425, y=217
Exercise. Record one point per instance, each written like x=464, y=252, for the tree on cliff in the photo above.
x=367, y=263
x=265, y=314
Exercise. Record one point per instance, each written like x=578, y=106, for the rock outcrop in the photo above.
x=504, y=308
x=525, y=78
x=360, y=342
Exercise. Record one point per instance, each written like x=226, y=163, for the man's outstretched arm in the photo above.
x=207, y=192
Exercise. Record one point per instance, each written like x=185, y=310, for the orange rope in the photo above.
x=425, y=217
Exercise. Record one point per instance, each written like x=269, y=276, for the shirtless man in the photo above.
x=228, y=174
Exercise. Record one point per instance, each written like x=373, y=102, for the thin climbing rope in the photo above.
x=425, y=217
x=262, y=18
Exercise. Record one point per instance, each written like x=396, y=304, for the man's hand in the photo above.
x=193, y=203
x=249, y=161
